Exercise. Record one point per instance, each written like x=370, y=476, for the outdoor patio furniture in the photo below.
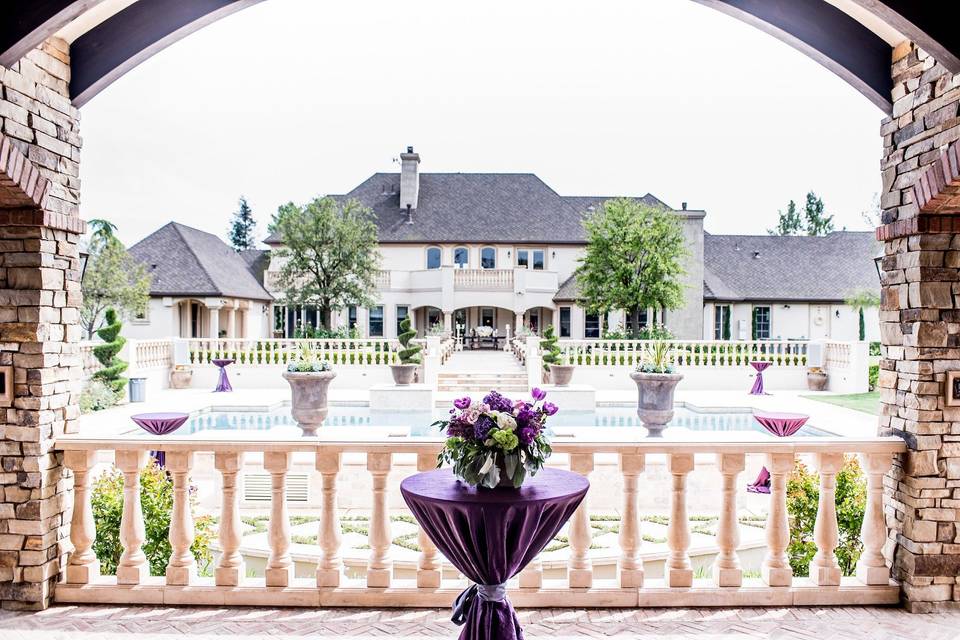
x=223, y=383
x=160, y=424
x=759, y=367
x=781, y=425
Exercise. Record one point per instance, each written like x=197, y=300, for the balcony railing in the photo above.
x=264, y=351
x=687, y=353
x=483, y=279
x=727, y=585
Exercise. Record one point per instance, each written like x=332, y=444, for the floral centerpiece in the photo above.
x=656, y=380
x=498, y=441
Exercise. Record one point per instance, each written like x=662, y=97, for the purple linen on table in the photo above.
x=761, y=484
x=491, y=535
x=223, y=383
x=160, y=424
x=757, y=389
x=781, y=424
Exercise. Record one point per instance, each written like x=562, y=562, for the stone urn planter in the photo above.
x=655, y=399
x=181, y=378
x=403, y=374
x=561, y=374
x=817, y=380
x=309, y=403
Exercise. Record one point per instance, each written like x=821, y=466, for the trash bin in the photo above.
x=138, y=389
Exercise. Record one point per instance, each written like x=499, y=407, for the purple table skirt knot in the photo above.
x=761, y=484
x=223, y=383
x=759, y=367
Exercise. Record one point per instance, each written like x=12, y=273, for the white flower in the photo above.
x=506, y=422
x=487, y=465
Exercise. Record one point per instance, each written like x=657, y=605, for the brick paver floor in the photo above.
x=149, y=623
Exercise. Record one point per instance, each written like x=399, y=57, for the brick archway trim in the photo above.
x=937, y=189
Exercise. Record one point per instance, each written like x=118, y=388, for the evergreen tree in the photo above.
x=790, y=223
x=106, y=354
x=409, y=354
x=242, y=227
x=551, y=352
x=817, y=222
x=113, y=279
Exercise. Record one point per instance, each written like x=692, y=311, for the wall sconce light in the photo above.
x=553, y=255
x=837, y=313
x=876, y=263
x=786, y=306
x=84, y=256
x=508, y=253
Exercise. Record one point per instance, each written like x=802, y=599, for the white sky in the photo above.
x=291, y=98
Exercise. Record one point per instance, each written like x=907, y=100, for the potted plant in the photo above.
x=656, y=382
x=409, y=355
x=181, y=376
x=309, y=380
x=816, y=379
x=497, y=442
x=559, y=374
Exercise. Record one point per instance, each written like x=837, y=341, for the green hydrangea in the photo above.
x=506, y=440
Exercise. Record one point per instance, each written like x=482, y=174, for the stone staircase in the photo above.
x=481, y=382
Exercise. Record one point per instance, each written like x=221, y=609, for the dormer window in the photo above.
x=461, y=257
x=433, y=257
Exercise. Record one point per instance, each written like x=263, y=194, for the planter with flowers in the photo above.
x=497, y=442
x=656, y=382
x=309, y=381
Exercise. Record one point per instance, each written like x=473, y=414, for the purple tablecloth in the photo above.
x=781, y=425
x=490, y=535
x=757, y=389
x=160, y=424
x=223, y=384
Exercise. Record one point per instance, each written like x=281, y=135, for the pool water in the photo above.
x=419, y=423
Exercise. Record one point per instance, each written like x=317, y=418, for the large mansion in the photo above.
x=460, y=251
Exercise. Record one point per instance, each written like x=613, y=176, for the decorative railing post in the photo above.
x=428, y=566
x=726, y=567
x=279, y=565
x=872, y=567
x=380, y=567
x=83, y=566
x=630, y=564
x=824, y=568
x=775, y=568
x=580, y=568
x=330, y=566
x=678, y=571
x=181, y=568
x=230, y=568
x=132, y=567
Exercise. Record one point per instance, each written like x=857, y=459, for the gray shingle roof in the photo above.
x=184, y=261
x=569, y=291
x=827, y=268
x=475, y=207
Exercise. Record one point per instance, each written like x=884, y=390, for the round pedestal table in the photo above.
x=759, y=367
x=781, y=425
x=160, y=424
x=490, y=535
x=223, y=383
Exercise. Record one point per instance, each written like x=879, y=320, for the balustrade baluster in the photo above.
x=132, y=567
x=83, y=566
x=580, y=568
x=380, y=567
x=872, y=567
x=181, y=568
x=428, y=566
x=630, y=564
x=678, y=571
x=230, y=568
x=726, y=567
x=279, y=566
x=775, y=568
x=824, y=569
x=330, y=566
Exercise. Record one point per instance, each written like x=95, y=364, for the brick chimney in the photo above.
x=409, y=180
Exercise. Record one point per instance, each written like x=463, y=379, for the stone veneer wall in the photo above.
x=920, y=327
x=39, y=314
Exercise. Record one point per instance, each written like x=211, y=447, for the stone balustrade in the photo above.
x=379, y=586
x=268, y=351
x=686, y=353
x=483, y=279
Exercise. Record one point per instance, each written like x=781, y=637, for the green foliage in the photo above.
x=790, y=223
x=106, y=353
x=308, y=361
x=860, y=300
x=97, y=396
x=803, y=493
x=634, y=259
x=242, y=227
x=551, y=352
x=409, y=354
x=657, y=358
x=813, y=222
x=330, y=254
x=321, y=333
x=156, y=497
x=652, y=332
x=875, y=348
x=874, y=376
x=113, y=279
x=725, y=324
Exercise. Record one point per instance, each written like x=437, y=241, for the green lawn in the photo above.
x=866, y=402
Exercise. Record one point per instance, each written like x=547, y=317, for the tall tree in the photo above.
x=860, y=300
x=790, y=223
x=112, y=279
x=634, y=259
x=242, y=227
x=817, y=221
x=329, y=255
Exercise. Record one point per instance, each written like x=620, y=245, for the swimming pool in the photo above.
x=419, y=422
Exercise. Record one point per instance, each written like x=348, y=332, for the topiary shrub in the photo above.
x=551, y=352
x=156, y=497
x=803, y=493
x=106, y=354
x=410, y=353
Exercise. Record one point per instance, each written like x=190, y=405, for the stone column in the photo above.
x=920, y=328
x=214, y=321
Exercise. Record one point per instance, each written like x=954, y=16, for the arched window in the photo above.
x=488, y=258
x=461, y=257
x=433, y=258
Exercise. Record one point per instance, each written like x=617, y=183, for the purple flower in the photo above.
x=498, y=403
x=462, y=403
x=549, y=408
x=483, y=426
x=525, y=417
x=538, y=394
x=526, y=435
x=459, y=428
